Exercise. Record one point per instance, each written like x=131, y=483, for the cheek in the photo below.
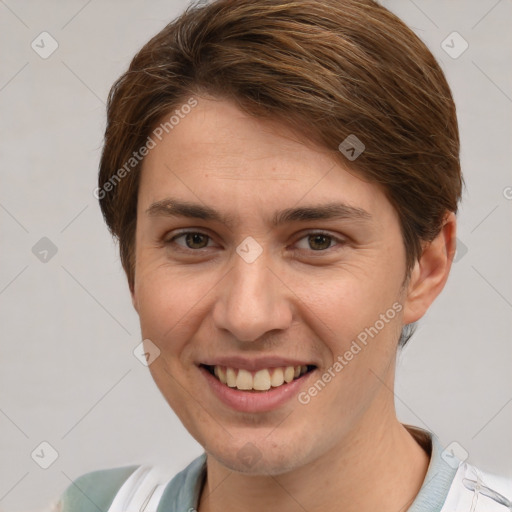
x=170, y=303
x=349, y=301
x=358, y=320
x=161, y=305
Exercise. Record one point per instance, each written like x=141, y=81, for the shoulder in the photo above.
x=139, y=487
x=94, y=491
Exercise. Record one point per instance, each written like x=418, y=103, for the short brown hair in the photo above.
x=330, y=68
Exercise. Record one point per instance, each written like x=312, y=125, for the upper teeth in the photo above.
x=262, y=379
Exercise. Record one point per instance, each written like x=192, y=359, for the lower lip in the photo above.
x=255, y=401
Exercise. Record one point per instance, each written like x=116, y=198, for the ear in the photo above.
x=431, y=271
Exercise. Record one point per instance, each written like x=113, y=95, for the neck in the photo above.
x=378, y=468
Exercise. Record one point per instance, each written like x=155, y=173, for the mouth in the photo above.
x=259, y=381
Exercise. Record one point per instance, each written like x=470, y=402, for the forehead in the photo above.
x=217, y=131
x=217, y=154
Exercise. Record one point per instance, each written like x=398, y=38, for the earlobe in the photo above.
x=431, y=271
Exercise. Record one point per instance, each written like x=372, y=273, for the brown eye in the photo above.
x=319, y=242
x=193, y=240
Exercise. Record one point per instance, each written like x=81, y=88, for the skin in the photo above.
x=203, y=300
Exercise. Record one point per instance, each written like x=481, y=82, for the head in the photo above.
x=243, y=113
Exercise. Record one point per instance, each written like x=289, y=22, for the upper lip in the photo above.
x=255, y=364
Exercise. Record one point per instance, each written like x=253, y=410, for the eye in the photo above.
x=318, y=241
x=315, y=241
x=194, y=240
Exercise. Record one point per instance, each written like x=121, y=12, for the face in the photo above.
x=256, y=250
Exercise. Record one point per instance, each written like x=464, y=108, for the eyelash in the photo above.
x=339, y=241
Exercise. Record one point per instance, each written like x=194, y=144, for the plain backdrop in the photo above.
x=68, y=376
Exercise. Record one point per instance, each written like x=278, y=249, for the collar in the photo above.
x=439, y=477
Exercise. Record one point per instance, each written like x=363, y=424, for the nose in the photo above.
x=252, y=300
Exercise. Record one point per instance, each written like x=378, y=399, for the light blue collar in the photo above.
x=437, y=481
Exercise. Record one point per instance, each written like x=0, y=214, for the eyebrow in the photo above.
x=170, y=207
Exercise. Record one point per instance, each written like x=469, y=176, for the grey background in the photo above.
x=67, y=372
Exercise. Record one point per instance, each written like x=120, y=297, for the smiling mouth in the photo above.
x=259, y=381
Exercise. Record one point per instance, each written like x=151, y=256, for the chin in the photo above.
x=263, y=457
